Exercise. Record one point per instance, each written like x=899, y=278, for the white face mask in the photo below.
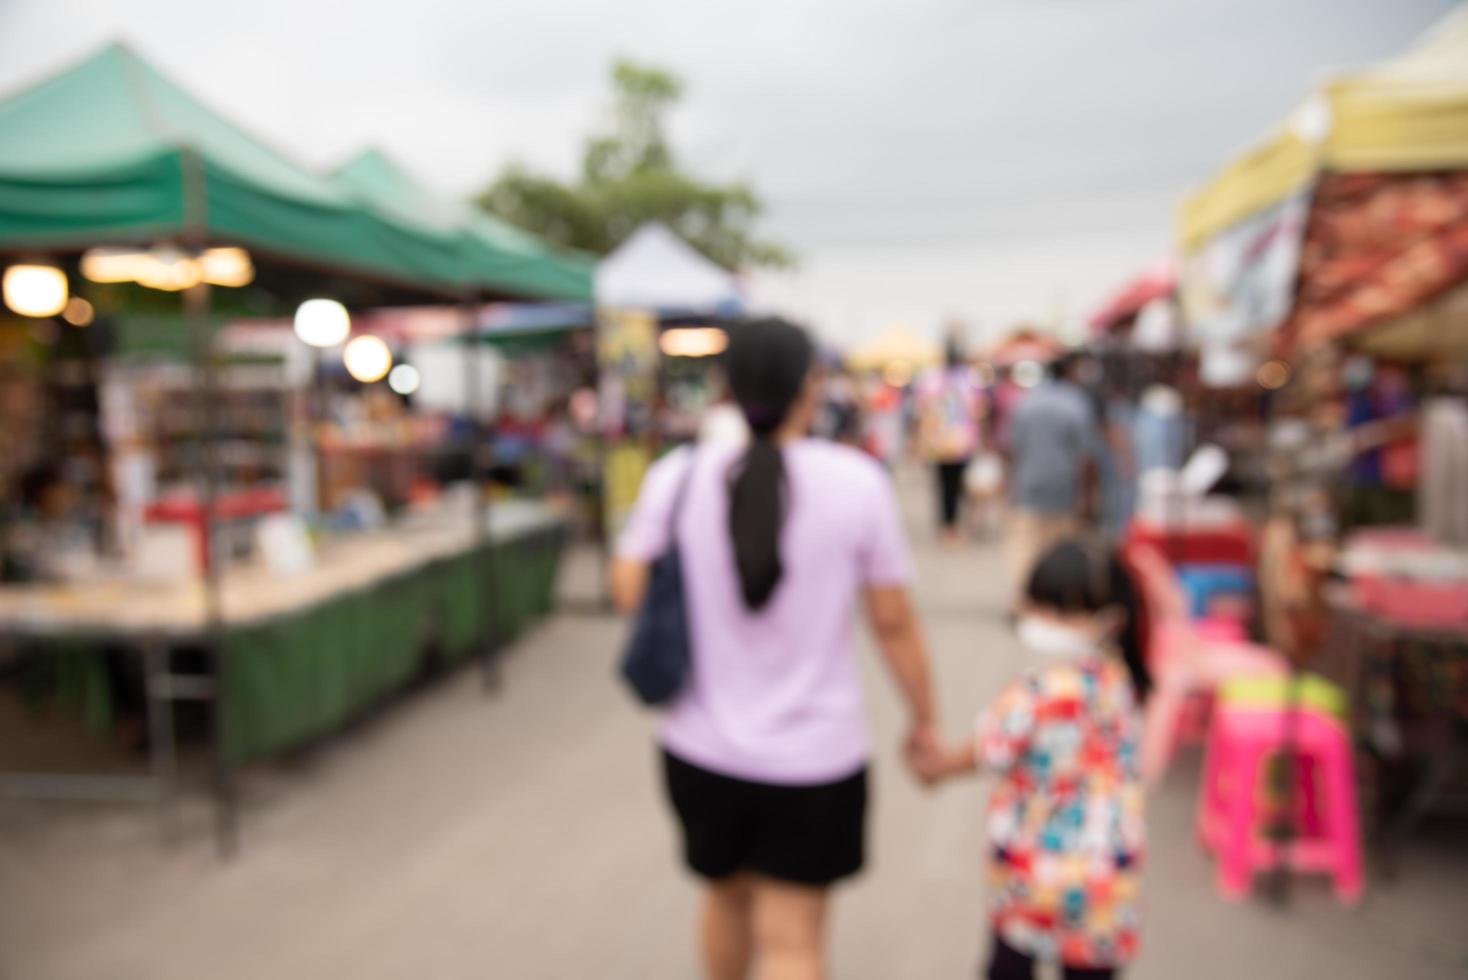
x=1053, y=641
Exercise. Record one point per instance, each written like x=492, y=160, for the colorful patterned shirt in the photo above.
x=1065, y=822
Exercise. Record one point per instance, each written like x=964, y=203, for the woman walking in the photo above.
x=766, y=746
x=950, y=414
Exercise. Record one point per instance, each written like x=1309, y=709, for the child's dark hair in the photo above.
x=1078, y=576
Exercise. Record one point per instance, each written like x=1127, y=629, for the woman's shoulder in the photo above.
x=839, y=460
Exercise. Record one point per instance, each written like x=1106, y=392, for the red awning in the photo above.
x=1157, y=282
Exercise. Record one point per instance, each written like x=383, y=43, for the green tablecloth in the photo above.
x=301, y=674
x=304, y=675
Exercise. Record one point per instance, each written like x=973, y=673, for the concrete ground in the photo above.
x=523, y=836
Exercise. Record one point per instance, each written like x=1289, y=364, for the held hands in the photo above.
x=928, y=758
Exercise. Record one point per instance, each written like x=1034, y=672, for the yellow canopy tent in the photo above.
x=897, y=345
x=1407, y=114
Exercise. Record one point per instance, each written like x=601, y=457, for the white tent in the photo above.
x=655, y=270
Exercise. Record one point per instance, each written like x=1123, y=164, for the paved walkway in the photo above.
x=523, y=837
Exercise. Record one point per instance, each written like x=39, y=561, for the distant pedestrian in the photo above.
x=1065, y=821
x=950, y=412
x=1054, y=437
x=765, y=749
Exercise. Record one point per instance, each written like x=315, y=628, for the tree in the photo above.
x=629, y=176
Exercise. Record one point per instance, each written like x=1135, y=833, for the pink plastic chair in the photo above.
x=1188, y=661
x=1232, y=815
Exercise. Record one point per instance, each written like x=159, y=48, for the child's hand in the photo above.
x=923, y=752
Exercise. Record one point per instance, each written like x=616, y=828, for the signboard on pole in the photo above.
x=627, y=361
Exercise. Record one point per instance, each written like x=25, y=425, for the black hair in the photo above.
x=1063, y=368
x=1078, y=576
x=766, y=363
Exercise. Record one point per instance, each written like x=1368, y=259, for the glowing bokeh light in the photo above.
x=367, y=358
x=693, y=342
x=78, y=312
x=322, y=322
x=404, y=379
x=1273, y=375
x=35, y=290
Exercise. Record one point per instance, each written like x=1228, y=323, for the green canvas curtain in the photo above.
x=113, y=152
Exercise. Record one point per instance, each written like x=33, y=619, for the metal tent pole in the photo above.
x=206, y=389
x=197, y=309
x=483, y=560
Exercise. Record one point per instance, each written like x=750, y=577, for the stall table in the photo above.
x=1400, y=647
x=302, y=654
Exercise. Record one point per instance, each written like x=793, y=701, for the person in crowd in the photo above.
x=723, y=423
x=950, y=411
x=983, y=483
x=765, y=750
x=45, y=527
x=1381, y=479
x=1054, y=436
x=882, y=424
x=1065, y=822
x=1443, y=490
x=839, y=418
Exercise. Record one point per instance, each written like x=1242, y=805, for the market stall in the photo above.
x=1345, y=233
x=167, y=199
x=663, y=311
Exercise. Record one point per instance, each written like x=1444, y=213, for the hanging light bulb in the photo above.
x=367, y=358
x=227, y=266
x=322, y=322
x=404, y=379
x=115, y=264
x=35, y=290
x=170, y=270
x=693, y=341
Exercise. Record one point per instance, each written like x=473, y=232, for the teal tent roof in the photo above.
x=506, y=257
x=112, y=151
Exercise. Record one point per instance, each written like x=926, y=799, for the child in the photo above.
x=1065, y=820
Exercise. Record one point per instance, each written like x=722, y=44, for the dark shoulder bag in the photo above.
x=658, y=657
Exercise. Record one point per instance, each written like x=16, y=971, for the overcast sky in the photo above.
x=987, y=159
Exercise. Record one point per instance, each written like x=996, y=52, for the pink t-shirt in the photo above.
x=775, y=696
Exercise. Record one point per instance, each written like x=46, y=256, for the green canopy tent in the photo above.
x=507, y=259
x=113, y=153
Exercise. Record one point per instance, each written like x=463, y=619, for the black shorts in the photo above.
x=809, y=835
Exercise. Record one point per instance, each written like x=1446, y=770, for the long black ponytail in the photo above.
x=767, y=363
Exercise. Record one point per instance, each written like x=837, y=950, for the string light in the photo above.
x=35, y=290
x=322, y=322
x=404, y=379
x=367, y=358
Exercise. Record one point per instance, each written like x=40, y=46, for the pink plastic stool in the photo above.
x=1232, y=816
x=1188, y=660
x=1221, y=629
x=1187, y=671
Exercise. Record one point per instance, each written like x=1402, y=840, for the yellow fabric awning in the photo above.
x=1258, y=180
x=1407, y=114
